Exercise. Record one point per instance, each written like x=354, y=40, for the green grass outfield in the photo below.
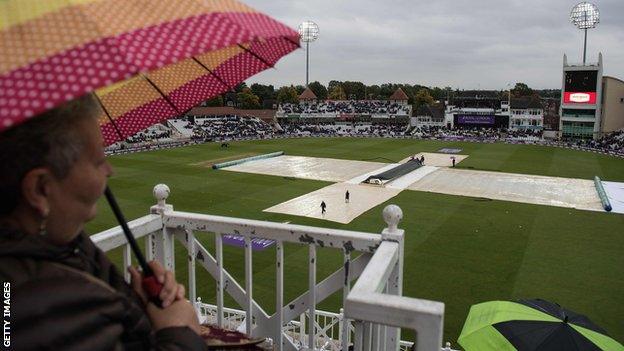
x=459, y=250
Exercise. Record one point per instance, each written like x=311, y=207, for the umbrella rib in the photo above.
x=121, y=137
x=212, y=73
x=255, y=55
x=162, y=94
x=297, y=44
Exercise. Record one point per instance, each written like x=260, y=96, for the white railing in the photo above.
x=373, y=311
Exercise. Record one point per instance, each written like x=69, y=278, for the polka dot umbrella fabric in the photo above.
x=145, y=60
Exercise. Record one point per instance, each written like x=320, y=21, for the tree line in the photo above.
x=259, y=96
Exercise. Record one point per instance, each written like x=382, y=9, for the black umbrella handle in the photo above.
x=149, y=283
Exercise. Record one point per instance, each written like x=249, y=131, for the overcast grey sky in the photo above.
x=464, y=44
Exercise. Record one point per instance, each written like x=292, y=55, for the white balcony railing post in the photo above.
x=279, y=295
x=341, y=328
x=392, y=215
x=220, y=281
x=312, y=296
x=346, y=329
x=162, y=244
x=192, y=256
x=248, y=286
x=127, y=261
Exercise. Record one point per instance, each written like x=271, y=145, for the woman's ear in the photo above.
x=36, y=189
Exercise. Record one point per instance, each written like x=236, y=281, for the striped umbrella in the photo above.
x=146, y=60
x=152, y=59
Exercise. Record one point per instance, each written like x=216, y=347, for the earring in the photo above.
x=44, y=222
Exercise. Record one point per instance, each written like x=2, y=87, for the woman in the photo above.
x=64, y=293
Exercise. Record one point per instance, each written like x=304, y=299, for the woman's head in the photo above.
x=53, y=170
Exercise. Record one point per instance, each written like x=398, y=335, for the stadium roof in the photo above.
x=526, y=102
x=307, y=94
x=399, y=94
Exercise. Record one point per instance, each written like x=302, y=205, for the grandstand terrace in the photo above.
x=195, y=129
x=310, y=107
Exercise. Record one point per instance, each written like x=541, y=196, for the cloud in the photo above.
x=460, y=43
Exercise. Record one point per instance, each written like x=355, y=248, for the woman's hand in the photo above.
x=176, y=311
x=179, y=314
x=171, y=291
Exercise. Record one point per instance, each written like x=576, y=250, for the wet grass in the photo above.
x=459, y=250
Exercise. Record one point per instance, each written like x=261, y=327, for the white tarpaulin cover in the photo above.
x=532, y=189
x=327, y=169
x=615, y=193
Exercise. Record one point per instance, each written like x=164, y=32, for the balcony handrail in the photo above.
x=292, y=233
x=140, y=227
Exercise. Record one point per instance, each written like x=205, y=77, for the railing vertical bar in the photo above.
x=302, y=328
x=312, y=295
x=359, y=336
x=366, y=337
x=220, y=283
x=394, y=286
x=279, y=298
x=375, y=337
x=192, y=253
x=248, y=286
x=382, y=338
x=149, y=247
x=127, y=261
x=346, y=289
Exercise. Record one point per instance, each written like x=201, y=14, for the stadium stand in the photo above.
x=334, y=108
x=231, y=127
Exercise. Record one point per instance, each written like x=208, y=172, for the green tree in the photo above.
x=264, y=92
x=423, y=98
x=521, y=89
x=319, y=90
x=247, y=99
x=333, y=84
x=386, y=90
x=300, y=88
x=372, y=92
x=437, y=93
x=287, y=95
x=337, y=93
x=239, y=87
x=354, y=90
x=216, y=101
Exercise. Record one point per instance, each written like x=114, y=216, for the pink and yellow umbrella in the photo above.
x=147, y=60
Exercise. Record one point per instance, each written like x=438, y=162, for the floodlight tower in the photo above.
x=584, y=16
x=308, y=32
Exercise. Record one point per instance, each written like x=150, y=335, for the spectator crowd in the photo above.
x=337, y=107
x=236, y=127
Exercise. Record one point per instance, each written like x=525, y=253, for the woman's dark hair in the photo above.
x=50, y=140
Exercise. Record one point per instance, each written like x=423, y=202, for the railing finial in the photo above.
x=392, y=215
x=161, y=193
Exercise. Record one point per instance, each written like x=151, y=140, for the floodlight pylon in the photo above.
x=585, y=16
x=308, y=32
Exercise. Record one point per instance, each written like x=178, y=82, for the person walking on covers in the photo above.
x=323, y=207
x=347, y=197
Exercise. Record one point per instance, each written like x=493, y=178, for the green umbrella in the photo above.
x=535, y=325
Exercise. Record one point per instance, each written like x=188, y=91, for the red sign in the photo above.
x=579, y=98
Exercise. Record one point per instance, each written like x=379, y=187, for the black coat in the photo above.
x=73, y=298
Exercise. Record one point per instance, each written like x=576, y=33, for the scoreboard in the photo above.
x=580, y=87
